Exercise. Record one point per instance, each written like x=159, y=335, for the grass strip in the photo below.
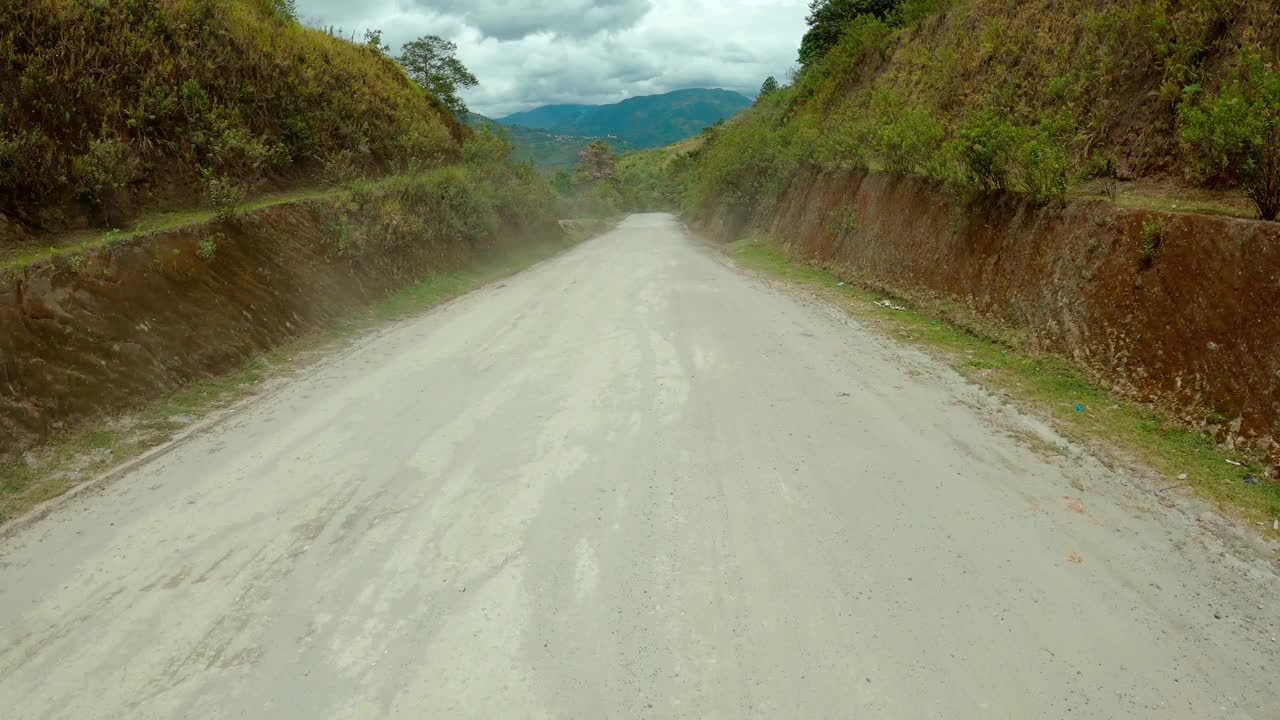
x=1079, y=408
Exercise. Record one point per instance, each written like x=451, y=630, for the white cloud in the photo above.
x=528, y=53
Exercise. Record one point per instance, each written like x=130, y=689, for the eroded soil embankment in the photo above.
x=1178, y=309
x=108, y=328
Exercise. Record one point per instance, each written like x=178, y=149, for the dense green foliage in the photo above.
x=469, y=204
x=1025, y=96
x=107, y=106
x=828, y=19
x=658, y=179
x=1235, y=132
x=641, y=122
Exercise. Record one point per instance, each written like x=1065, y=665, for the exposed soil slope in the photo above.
x=1173, y=308
x=111, y=327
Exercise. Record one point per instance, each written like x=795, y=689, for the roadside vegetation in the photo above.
x=115, y=107
x=1038, y=98
x=123, y=119
x=595, y=188
x=1170, y=107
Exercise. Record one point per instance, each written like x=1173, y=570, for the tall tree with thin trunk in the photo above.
x=433, y=63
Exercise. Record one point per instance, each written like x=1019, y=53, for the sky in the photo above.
x=528, y=53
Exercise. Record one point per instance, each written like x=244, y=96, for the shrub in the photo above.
x=1105, y=168
x=842, y=220
x=224, y=194
x=239, y=153
x=237, y=163
x=486, y=148
x=341, y=168
x=843, y=143
x=1234, y=133
x=985, y=146
x=109, y=165
x=1153, y=236
x=903, y=136
x=1042, y=166
x=284, y=9
x=747, y=165
x=29, y=168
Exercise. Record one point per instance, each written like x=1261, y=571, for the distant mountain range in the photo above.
x=641, y=122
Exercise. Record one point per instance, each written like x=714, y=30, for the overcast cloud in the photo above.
x=538, y=52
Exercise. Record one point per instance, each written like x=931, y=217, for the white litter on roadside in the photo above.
x=889, y=304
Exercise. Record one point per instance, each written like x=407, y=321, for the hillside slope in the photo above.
x=111, y=107
x=643, y=122
x=1024, y=165
x=1035, y=96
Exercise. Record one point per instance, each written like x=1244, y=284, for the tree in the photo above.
x=828, y=18
x=563, y=183
x=770, y=86
x=433, y=63
x=599, y=185
x=1235, y=133
x=597, y=163
x=373, y=40
x=287, y=9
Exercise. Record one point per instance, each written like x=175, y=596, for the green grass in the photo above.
x=1147, y=201
x=16, y=258
x=1148, y=435
x=85, y=452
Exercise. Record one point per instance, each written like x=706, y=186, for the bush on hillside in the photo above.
x=1043, y=163
x=903, y=136
x=844, y=144
x=1235, y=133
x=984, y=146
x=109, y=165
x=473, y=205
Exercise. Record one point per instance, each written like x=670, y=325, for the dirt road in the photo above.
x=631, y=482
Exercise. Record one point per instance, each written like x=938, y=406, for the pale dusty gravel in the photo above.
x=632, y=482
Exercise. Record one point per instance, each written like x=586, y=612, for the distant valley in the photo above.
x=551, y=136
x=545, y=149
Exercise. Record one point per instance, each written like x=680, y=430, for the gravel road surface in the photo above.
x=632, y=482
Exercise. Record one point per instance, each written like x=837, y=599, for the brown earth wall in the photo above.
x=1193, y=326
x=106, y=329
